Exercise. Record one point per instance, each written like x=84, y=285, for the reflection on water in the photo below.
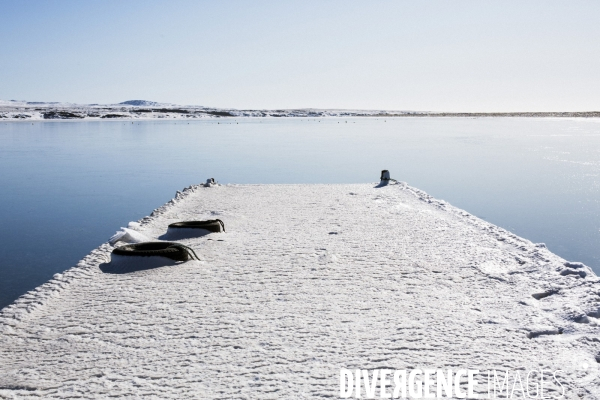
x=68, y=186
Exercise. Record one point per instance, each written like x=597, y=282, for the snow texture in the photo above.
x=127, y=235
x=307, y=279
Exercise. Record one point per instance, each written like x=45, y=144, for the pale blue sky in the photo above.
x=419, y=55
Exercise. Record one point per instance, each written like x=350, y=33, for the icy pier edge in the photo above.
x=28, y=303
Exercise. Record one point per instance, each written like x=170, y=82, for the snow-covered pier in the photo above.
x=307, y=280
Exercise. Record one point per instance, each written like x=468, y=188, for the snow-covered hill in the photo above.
x=143, y=109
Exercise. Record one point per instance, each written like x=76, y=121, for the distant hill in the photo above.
x=145, y=103
x=13, y=110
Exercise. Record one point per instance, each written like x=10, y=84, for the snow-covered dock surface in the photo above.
x=307, y=279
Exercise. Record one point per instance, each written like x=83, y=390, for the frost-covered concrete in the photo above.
x=307, y=279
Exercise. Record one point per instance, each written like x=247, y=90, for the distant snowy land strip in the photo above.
x=13, y=110
x=307, y=280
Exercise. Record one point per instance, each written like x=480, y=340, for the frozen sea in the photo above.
x=67, y=186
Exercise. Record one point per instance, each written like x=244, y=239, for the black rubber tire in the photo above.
x=174, y=251
x=212, y=225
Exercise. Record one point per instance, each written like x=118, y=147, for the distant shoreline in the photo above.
x=39, y=111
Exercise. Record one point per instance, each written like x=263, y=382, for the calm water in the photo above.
x=68, y=186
